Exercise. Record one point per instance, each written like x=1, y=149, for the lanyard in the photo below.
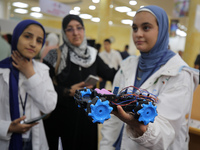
x=23, y=104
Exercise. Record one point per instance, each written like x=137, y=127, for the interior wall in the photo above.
x=7, y=26
x=121, y=35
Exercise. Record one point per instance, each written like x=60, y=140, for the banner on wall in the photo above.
x=197, y=18
x=54, y=8
x=181, y=8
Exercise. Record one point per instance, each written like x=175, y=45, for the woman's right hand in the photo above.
x=137, y=127
x=17, y=127
x=78, y=86
x=22, y=64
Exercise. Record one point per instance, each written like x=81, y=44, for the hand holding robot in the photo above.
x=98, y=104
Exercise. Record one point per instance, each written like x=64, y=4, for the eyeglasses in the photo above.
x=72, y=30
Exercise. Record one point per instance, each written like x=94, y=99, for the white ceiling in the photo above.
x=116, y=17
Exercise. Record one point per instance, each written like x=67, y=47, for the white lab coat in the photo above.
x=174, y=84
x=112, y=59
x=41, y=98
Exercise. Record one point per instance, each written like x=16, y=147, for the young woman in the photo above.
x=164, y=74
x=78, y=61
x=26, y=90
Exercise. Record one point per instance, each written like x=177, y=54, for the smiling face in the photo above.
x=75, y=32
x=30, y=41
x=145, y=31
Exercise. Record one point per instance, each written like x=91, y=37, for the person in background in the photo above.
x=77, y=62
x=52, y=42
x=98, y=47
x=26, y=90
x=197, y=62
x=164, y=74
x=125, y=53
x=4, y=48
x=8, y=37
x=111, y=57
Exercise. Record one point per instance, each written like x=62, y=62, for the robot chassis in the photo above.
x=99, y=103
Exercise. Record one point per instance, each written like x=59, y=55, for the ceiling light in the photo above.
x=111, y=6
x=132, y=2
x=73, y=12
x=95, y=19
x=77, y=8
x=127, y=21
x=36, y=15
x=19, y=4
x=21, y=11
x=122, y=9
x=95, y=1
x=131, y=13
x=110, y=22
x=36, y=9
x=85, y=16
x=92, y=7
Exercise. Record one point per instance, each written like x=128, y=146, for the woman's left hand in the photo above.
x=22, y=64
x=129, y=119
x=78, y=86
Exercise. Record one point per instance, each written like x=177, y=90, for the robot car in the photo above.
x=99, y=103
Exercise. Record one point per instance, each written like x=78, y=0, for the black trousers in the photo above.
x=73, y=127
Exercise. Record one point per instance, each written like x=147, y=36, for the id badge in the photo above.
x=26, y=135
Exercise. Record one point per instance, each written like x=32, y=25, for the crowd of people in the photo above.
x=31, y=88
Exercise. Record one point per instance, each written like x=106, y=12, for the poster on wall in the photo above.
x=181, y=8
x=54, y=8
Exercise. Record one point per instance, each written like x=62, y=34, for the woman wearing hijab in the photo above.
x=162, y=73
x=26, y=90
x=78, y=61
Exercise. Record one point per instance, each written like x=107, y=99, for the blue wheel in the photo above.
x=86, y=93
x=147, y=113
x=100, y=111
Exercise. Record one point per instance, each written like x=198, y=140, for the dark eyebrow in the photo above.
x=145, y=23
x=28, y=33
x=32, y=35
x=78, y=25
